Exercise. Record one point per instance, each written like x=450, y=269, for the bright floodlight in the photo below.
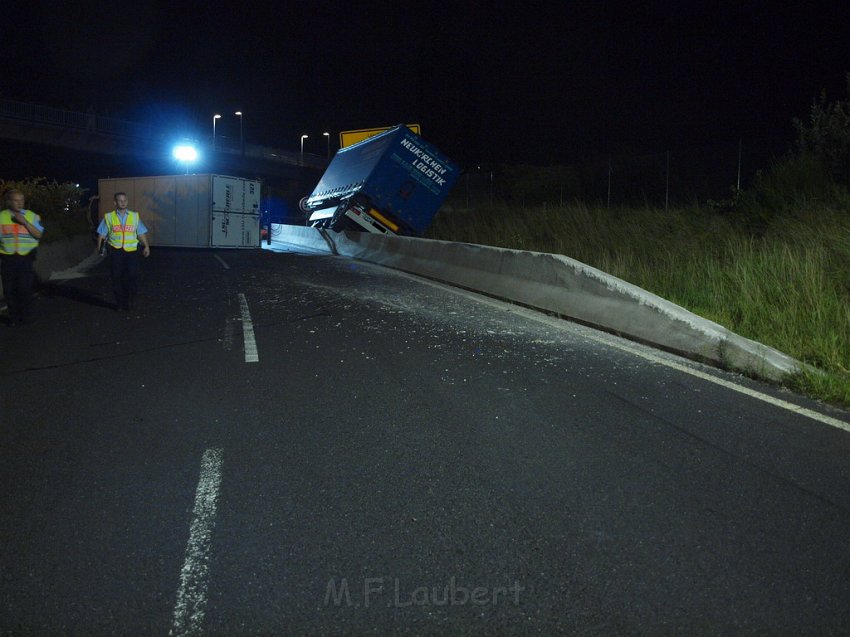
x=185, y=152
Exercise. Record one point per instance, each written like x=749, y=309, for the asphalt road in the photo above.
x=288, y=444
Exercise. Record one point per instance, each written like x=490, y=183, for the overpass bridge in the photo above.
x=77, y=146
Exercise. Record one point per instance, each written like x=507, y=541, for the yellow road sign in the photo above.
x=349, y=137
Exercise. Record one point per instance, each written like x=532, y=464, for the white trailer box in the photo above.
x=232, y=194
x=193, y=211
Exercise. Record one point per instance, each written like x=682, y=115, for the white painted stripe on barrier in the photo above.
x=222, y=261
x=192, y=594
x=251, y=353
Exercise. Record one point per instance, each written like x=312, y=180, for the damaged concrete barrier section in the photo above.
x=561, y=285
x=57, y=259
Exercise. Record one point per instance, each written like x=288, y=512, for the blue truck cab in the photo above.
x=391, y=183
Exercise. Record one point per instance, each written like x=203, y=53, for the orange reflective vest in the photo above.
x=14, y=237
x=123, y=237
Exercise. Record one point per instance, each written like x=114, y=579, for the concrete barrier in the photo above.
x=558, y=284
x=549, y=282
x=60, y=255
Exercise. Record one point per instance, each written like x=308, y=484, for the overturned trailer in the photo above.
x=194, y=211
x=392, y=183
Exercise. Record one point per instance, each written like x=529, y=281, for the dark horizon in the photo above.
x=555, y=83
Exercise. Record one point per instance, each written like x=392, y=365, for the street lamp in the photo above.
x=215, y=117
x=328, y=139
x=303, y=137
x=241, y=137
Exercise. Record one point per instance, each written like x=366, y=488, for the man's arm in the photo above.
x=34, y=230
x=102, y=231
x=144, y=239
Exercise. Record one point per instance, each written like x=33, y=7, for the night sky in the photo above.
x=535, y=82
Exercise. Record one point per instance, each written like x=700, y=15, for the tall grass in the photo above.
x=786, y=285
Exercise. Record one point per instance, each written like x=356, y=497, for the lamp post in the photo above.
x=241, y=136
x=215, y=117
x=303, y=137
x=328, y=139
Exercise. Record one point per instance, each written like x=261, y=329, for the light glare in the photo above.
x=185, y=152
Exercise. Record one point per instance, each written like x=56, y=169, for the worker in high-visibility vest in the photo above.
x=122, y=230
x=20, y=230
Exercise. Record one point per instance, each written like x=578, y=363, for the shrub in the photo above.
x=827, y=134
x=58, y=204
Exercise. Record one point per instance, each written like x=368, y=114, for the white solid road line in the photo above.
x=222, y=261
x=623, y=345
x=251, y=354
x=778, y=402
x=192, y=595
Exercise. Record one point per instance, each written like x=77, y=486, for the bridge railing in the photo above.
x=90, y=122
x=48, y=116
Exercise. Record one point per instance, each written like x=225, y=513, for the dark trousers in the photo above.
x=17, y=275
x=124, y=267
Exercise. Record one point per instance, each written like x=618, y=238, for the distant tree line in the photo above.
x=755, y=178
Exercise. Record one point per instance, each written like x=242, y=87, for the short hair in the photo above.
x=118, y=194
x=8, y=193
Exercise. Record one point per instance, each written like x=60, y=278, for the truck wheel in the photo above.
x=342, y=223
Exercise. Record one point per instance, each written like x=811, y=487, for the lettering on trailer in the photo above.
x=417, y=174
x=426, y=164
x=228, y=196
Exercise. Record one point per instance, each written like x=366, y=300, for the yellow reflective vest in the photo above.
x=14, y=237
x=123, y=237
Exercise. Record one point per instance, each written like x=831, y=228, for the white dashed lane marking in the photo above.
x=194, y=576
x=251, y=354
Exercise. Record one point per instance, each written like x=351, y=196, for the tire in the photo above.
x=344, y=223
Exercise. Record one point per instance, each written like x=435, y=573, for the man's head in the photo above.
x=14, y=199
x=121, y=200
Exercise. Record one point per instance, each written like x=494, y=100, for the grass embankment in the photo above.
x=786, y=285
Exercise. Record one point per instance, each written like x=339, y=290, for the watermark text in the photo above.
x=392, y=593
